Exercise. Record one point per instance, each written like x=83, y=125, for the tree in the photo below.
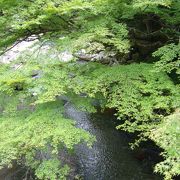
x=143, y=37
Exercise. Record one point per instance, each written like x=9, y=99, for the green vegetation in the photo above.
x=166, y=135
x=142, y=83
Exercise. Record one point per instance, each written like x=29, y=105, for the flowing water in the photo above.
x=110, y=157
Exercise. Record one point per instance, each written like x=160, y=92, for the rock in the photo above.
x=104, y=57
x=14, y=52
x=65, y=56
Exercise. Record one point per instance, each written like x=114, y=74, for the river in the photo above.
x=110, y=158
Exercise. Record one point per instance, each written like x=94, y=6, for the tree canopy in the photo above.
x=138, y=75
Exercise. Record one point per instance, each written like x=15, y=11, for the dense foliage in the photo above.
x=139, y=38
x=166, y=135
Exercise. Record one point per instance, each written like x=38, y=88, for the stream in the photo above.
x=110, y=158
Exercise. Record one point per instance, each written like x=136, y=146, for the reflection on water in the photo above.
x=110, y=158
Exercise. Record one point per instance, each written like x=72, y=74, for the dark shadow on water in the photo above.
x=110, y=157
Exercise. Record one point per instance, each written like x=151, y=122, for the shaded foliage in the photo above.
x=144, y=96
